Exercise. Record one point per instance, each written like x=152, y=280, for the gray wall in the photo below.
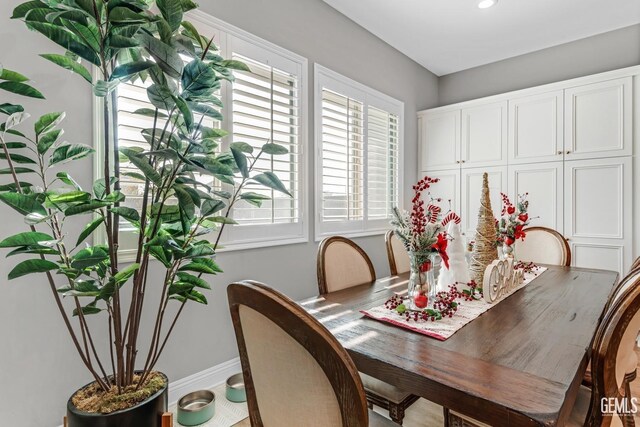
x=38, y=366
x=603, y=52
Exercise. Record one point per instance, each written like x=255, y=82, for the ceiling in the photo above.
x=446, y=36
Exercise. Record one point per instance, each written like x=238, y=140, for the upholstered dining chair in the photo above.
x=343, y=264
x=631, y=279
x=545, y=246
x=397, y=254
x=295, y=371
x=614, y=341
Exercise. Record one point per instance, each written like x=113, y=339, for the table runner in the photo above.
x=446, y=327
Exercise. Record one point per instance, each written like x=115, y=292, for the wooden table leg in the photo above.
x=64, y=421
x=167, y=419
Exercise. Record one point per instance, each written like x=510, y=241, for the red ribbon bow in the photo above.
x=441, y=247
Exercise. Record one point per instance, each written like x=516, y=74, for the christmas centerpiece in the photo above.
x=514, y=219
x=422, y=233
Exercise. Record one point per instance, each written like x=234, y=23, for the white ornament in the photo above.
x=458, y=271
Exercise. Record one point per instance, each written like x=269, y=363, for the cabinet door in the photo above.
x=484, y=135
x=544, y=184
x=472, y=193
x=448, y=189
x=598, y=210
x=598, y=120
x=440, y=140
x=535, y=128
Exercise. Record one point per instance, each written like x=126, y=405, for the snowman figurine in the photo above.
x=458, y=271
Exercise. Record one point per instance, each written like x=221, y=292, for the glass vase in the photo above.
x=422, y=284
x=507, y=251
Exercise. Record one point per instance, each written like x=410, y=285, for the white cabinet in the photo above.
x=569, y=144
x=440, y=140
x=599, y=119
x=536, y=128
x=544, y=183
x=484, y=135
x=598, y=212
x=471, y=194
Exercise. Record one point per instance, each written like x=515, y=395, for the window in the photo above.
x=266, y=104
x=358, y=141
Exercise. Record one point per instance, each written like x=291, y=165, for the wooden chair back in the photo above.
x=636, y=264
x=614, y=352
x=342, y=264
x=397, y=254
x=545, y=246
x=295, y=371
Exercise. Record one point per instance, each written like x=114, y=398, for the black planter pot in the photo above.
x=146, y=414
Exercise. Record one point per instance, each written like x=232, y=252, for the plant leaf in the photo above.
x=85, y=207
x=21, y=89
x=18, y=158
x=167, y=57
x=70, y=197
x=48, y=139
x=202, y=265
x=32, y=266
x=143, y=164
x=12, y=76
x=47, y=122
x=10, y=109
x=271, y=180
x=90, y=228
x=23, y=203
x=27, y=238
x=7, y=171
x=69, y=64
x=211, y=206
x=171, y=11
x=274, y=149
x=66, y=39
x=127, y=70
x=129, y=214
x=161, y=97
x=89, y=257
x=67, y=153
x=241, y=161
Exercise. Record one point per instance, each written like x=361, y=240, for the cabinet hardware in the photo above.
x=559, y=152
x=458, y=161
x=568, y=152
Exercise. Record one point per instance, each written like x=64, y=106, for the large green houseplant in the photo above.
x=126, y=40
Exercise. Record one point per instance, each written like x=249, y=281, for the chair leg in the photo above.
x=396, y=413
x=445, y=412
x=628, y=419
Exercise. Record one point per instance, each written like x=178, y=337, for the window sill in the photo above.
x=353, y=234
x=129, y=255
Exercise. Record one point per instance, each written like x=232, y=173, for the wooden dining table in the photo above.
x=519, y=364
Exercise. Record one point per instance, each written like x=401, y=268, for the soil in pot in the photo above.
x=93, y=399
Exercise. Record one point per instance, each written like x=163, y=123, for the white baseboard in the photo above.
x=207, y=379
x=203, y=380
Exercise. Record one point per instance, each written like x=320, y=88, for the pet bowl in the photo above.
x=235, y=389
x=196, y=408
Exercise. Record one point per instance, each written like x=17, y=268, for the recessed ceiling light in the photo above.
x=484, y=4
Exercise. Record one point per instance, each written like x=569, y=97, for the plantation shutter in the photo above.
x=382, y=163
x=358, y=134
x=342, y=153
x=265, y=108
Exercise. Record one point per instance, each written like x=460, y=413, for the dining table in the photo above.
x=520, y=363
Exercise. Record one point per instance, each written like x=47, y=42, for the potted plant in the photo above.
x=126, y=40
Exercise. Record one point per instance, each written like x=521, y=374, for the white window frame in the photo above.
x=326, y=78
x=236, y=237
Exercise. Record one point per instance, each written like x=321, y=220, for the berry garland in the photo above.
x=445, y=304
x=526, y=267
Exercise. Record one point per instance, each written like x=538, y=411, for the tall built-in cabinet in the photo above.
x=570, y=145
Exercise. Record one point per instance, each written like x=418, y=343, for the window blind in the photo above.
x=382, y=163
x=342, y=172
x=265, y=108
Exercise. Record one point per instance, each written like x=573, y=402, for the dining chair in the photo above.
x=397, y=254
x=545, y=246
x=343, y=264
x=295, y=371
x=636, y=264
x=613, y=358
